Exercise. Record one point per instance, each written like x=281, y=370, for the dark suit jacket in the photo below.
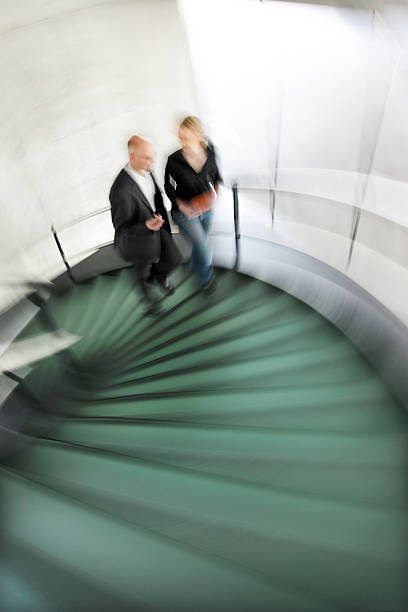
x=130, y=210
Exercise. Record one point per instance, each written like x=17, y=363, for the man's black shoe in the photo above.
x=166, y=284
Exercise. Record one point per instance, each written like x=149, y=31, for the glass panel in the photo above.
x=79, y=240
x=317, y=227
x=386, y=238
x=327, y=215
x=223, y=222
x=255, y=210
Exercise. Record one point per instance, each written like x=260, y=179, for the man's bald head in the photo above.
x=140, y=154
x=136, y=141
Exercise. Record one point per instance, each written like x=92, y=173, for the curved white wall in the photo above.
x=78, y=78
x=311, y=100
x=318, y=92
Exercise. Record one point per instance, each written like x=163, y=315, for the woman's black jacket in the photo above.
x=181, y=181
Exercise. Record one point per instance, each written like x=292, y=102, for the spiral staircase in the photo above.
x=237, y=453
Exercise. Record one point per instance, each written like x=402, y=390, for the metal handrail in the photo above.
x=356, y=217
x=73, y=222
x=300, y=193
x=236, y=187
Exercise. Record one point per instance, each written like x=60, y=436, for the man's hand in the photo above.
x=155, y=223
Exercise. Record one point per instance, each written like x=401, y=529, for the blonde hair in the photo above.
x=194, y=124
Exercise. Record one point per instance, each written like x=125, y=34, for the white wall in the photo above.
x=280, y=75
x=312, y=100
x=319, y=92
x=78, y=78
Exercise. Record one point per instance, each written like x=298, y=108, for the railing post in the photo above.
x=50, y=325
x=22, y=387
x=64, y=259
x=236, y=224
x=354, y=229
x=272, y=205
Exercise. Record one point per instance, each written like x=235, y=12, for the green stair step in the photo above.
x=133, y=561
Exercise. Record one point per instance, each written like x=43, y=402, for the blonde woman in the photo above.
x=191, y=183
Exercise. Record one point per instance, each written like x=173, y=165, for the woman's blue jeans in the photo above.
x=196, y=230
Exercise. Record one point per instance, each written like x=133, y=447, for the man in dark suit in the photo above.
x=142, y=229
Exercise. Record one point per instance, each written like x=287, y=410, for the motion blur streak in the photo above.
x=242, y=443
x=245, y=450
